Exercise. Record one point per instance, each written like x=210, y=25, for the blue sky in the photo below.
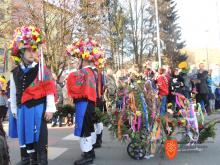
x=200, y=22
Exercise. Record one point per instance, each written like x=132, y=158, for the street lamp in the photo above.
x=158, y=33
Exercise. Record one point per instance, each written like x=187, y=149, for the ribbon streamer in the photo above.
x=144, y=105
x=41, y=65
x=120, y=124
x=139, y=123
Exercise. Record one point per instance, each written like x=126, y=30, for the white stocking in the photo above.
x=86, y=144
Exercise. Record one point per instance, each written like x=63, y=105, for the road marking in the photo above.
x=54, y=152
x=71, y=137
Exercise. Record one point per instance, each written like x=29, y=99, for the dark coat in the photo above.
x=202, y=86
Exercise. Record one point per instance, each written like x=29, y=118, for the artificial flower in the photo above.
x=87, y=49
x=25, y=37
x=138, y=113
x=95, y=50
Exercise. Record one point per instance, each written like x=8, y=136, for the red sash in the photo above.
x=38, y=91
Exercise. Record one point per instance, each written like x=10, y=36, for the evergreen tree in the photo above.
x=170, y=31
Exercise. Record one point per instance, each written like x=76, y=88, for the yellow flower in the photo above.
x=20, y=44
x=38, y=39
x=11, y=45
x=17, y=59
x=95, y=50
x=34, y=46
x=2, y=80
x=35, y=33
x=78, y=43
x=138, y=113
x=183, y=65
x=138, y=81
x=169, y=104
x=85, y=55
x=101, y=60
x=183, y=121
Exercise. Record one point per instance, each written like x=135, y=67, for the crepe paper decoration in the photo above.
x=25, y=37
x=88, y=50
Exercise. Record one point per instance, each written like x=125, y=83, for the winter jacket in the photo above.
x=163, y=85
x=175, y=84
x=217, y=94
x=202, y=86
x=187, y=84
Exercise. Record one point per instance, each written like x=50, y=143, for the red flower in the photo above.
x=158, y=120
x=34, y=38
x=24, y=38
x=38, y=30
x=180, y=123
x=201, y=126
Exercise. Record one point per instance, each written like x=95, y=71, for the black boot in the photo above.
x=98, y=143
x=86, y=159
x=25, y=158
x=33, y=158
x=42, y=156
x=93, y=153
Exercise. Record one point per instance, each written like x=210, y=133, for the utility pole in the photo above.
x=158, y=33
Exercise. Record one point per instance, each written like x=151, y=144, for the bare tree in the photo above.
x=139, y=29
x=58, y=21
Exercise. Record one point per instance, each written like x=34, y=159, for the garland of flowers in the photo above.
x=87, y=49
x=25, y=37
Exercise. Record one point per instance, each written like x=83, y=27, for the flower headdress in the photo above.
x=183, y=65
x=88, y=50
x=3, y=83
x=25, y=37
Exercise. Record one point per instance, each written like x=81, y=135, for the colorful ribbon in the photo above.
x=41, y=65
x=120, y=124
x=144, y=106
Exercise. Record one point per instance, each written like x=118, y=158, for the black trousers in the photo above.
x=88, y=122
x=3, y=112
x=101, y=106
